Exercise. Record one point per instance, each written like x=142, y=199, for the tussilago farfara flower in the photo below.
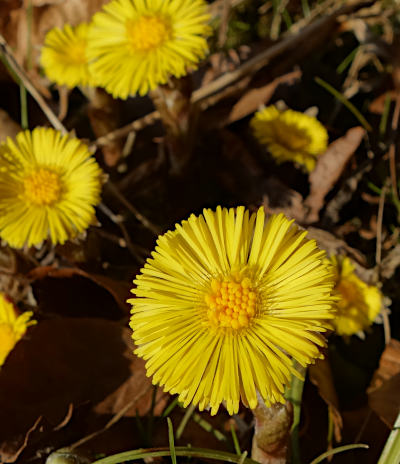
x=358, y=304
x=64, y=57
x=224, y=304
x=135, y=44
x=49, y=185
x=12, y=326
x=290, y=135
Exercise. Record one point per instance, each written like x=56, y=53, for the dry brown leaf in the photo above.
x=321, y=376
x=255, y=97
x=281, y=199
x=383, y=393
x=63, y=362
x=8, y=127
x=46, y=15
x=335, y=246
x=389, y=365
x=390, y=263
x=329, y=167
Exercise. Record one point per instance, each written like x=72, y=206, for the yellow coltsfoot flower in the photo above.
x=290, y=135
x=226, y=303
x=64, y=58
x=12, y=326
x=49, y=185
x=136, y=45
x=358, y=304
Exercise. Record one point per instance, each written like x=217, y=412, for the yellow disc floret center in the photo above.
x=232, y=302
x=291, y=137
x=42, y=187
x=77, y=52
x=148, y=32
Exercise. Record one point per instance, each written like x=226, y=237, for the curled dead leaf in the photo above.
x=329, y=168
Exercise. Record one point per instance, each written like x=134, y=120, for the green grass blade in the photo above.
x=186, y=451
x=171, y=441
x=349, y=58
x=294, y=395
x=167, y=411
x=208, y=427
x=235, y=441
x=188, y=414
x=385, y=116
x=345, y=102
x=340, y=449
x=391, y=451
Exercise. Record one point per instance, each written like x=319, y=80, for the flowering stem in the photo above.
x=176, y=111
x=272, y=432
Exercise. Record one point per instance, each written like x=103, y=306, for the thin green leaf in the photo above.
x=242, y=457
x=188, y=414
x=208, y=427
x=340, y=449
x=385, y=116
x=345, y=102
x=391, y=451
x=167, y=411
x=306, y=7
x=349, y=58
x=186, y=451
x=294, y=395
x=235, y=441
x=171, y=441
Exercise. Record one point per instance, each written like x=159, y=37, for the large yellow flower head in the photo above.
x=358, y=304
x=64, y=57
x=290, y=135
x=136, y=44
x=49, y=185
x=12, y=326
x=224, y=304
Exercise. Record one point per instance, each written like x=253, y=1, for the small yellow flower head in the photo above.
x=135, y=45
x=64, y=57
x=224, y=304
x=290, y=135
x=12, y=326
x=49, y=185
x=358, y=304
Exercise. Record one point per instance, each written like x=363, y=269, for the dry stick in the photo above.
x=148, y=224
x=392, y=150
x=113, y=420
x=251, y=66
x=57, y=124
x=378, y=258
x=24, y=78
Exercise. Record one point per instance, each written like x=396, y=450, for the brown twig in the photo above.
x=24, y=78
x=126, y=241
x=378, y=258
x=122, y=199
x=113, y=420
x=249, y=67
x=379, y=222
x=392, y=150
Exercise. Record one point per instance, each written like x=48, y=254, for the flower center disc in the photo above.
x=148, y=32
x=42, y=187
x=77, y=52
x=291, y=137
x=232, y=302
